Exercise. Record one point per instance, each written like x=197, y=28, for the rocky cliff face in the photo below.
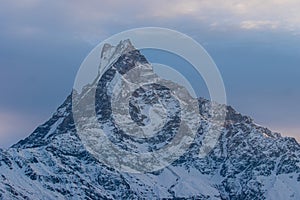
x=248, y=162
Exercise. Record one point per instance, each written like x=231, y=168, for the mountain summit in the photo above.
x=248, y=162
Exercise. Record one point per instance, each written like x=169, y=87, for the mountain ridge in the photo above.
x=248, y=162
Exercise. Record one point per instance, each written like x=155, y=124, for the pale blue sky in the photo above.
x=255, y=46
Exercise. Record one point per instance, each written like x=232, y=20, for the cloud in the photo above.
x=90, y=19
x=15, y=125
x=259, y=24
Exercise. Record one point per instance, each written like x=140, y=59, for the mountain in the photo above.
x=248, y=161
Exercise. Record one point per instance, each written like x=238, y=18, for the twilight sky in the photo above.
x=255, y=45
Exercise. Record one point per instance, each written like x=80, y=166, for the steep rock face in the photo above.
x=248, y=162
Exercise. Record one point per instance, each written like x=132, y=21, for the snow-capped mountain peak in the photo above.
x=248, y=162
x=110, y=53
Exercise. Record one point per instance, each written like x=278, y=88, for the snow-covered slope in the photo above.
x=248, y=162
